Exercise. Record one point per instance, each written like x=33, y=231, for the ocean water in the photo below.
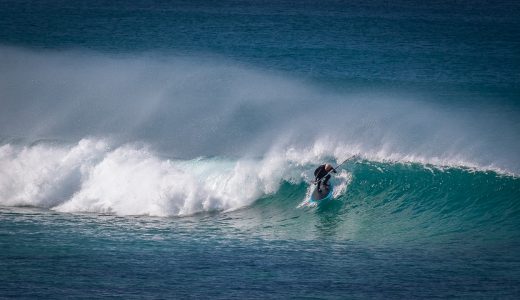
x=165, y=149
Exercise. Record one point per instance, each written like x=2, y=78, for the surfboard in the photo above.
x=324, y=195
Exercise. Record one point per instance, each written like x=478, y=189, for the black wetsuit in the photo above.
x=319, y=173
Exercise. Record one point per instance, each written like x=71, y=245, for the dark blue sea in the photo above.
x=166, y=149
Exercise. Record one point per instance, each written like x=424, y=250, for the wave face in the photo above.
x=422, y=203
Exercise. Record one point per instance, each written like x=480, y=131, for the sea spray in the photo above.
x=189, y=106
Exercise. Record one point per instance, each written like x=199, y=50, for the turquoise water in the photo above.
x=159, y=149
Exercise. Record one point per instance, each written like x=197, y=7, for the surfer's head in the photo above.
x=328, y=167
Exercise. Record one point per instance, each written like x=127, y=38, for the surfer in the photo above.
x=323, y=171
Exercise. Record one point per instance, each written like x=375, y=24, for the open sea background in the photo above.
x=164, y=149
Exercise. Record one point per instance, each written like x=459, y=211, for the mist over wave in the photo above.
x=186, y=107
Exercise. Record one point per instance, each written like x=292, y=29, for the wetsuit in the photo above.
x=319, y=173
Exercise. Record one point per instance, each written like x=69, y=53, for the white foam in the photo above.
x=45, y=175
